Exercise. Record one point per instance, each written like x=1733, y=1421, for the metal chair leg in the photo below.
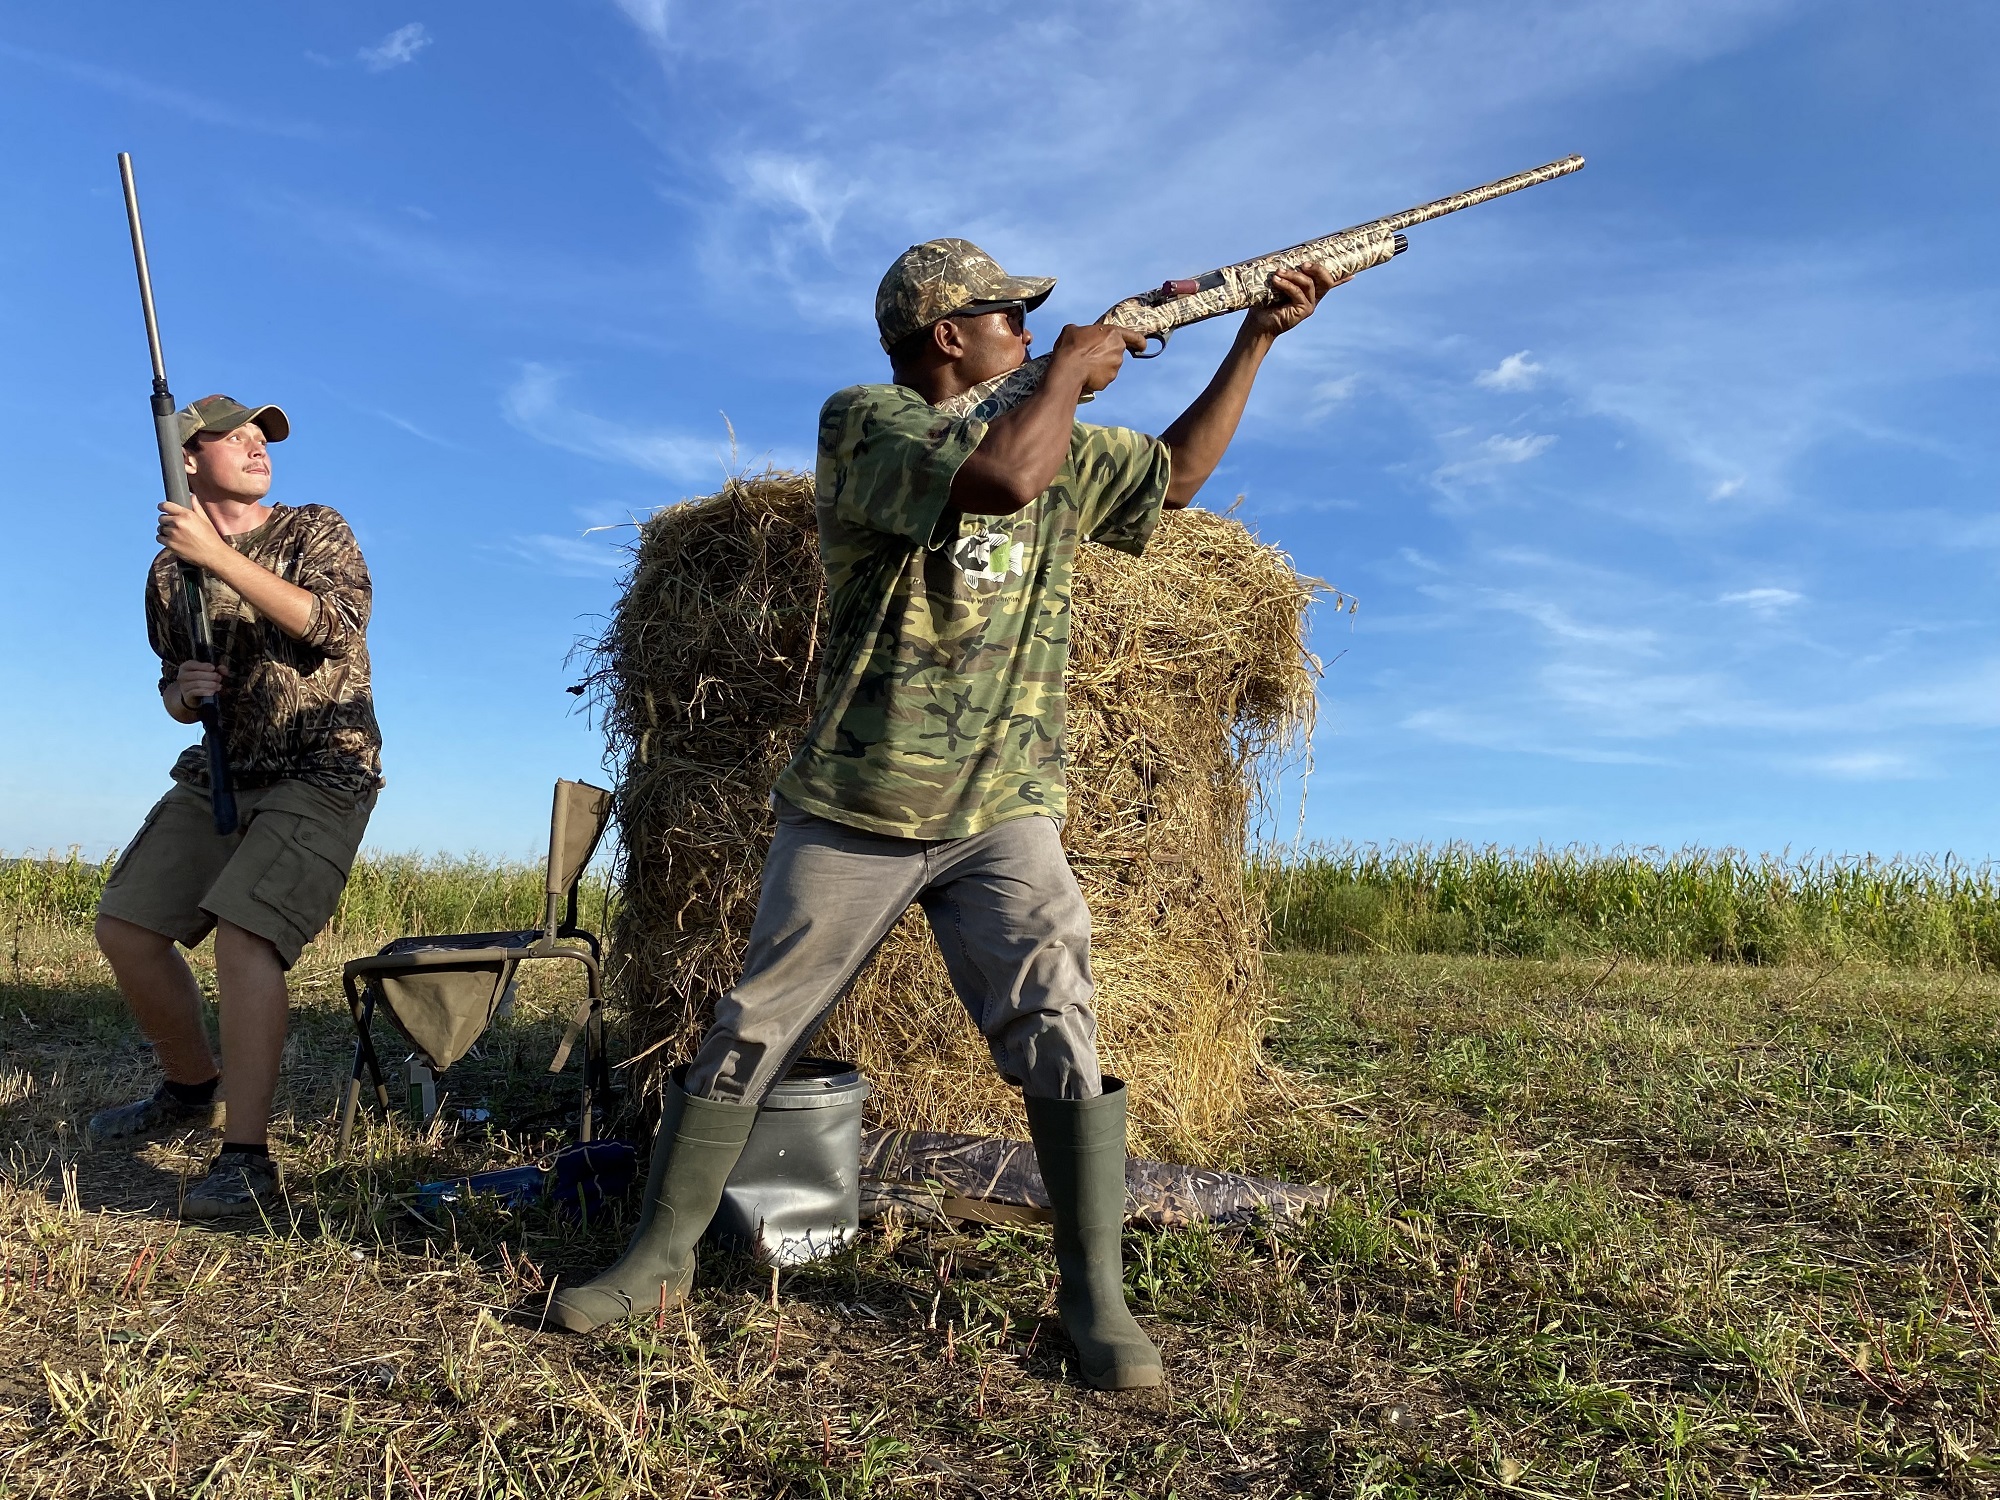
x=363, y=1012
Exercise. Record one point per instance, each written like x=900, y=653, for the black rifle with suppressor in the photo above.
x=194, y=593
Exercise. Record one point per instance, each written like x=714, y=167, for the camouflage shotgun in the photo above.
x=194, y=595
x=1175, y=304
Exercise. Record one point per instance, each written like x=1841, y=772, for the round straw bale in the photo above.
x=1188, y=673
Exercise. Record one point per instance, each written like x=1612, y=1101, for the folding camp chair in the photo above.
x=443, y=992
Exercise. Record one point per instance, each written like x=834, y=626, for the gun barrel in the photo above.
x=145, y=275
x=1534, y=177
x=173, y=476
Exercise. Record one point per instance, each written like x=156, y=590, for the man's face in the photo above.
x=231, y=465
x=991, y=343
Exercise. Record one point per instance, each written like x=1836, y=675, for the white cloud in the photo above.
x=397, y=48
x=1562, y=623
x=1510, y=732
x=534, y=404
x=799, y=186
x=143, y=92
x=1496, y=453
x=650, y=16
x=1722, y=489
x=587, y=556
x=1516, y=372
x=1486, y=816
x=1861, y=765
x=1765, y=601
x=1325, y=395
x=1518, y=450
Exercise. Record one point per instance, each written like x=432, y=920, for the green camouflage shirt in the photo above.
x=297, y=710
x=940, y=699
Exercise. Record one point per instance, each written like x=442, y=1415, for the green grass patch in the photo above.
x=1684, y=906
x=387, y=895
x=1598, y=1227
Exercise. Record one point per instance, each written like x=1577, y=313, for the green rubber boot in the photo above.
x=1080, y=1144
x=694, y=1152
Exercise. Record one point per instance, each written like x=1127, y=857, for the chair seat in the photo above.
x=443, y=990
x=457, y=940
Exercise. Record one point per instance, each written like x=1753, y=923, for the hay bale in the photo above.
x=1188, y=671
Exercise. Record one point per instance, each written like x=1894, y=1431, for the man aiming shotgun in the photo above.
x=258, y=613
x=950, y=504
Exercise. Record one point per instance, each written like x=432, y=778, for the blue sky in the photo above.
x=1667, y=489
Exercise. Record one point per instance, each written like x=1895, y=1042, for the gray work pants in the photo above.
x=1005, y=910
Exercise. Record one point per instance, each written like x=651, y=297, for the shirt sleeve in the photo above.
x=887, y=459
x=331, y=569
x=161, y=634
x=1122, y=478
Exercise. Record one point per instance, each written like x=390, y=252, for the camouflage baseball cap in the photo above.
x=938, y=278
x=226, y=414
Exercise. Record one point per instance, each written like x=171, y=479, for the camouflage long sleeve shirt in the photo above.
x=940, y=700
x=292, y=710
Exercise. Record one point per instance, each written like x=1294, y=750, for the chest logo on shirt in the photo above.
x=987, y=556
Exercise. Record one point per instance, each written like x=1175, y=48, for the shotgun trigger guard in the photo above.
x=1152, y=338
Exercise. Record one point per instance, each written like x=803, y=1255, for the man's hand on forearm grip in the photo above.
x=195, y=681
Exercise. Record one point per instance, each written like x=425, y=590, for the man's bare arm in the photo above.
x=1025, y=447
x=192, y=537
x=1200, y=435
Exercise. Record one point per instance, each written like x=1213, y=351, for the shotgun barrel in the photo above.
x=173, y=475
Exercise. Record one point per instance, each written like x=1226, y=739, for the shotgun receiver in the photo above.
x=194, y=593
x=1175, y=304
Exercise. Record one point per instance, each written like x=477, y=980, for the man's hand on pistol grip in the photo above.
x=1096, y=351
x=195, y=681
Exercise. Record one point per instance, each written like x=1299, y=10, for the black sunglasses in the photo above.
x=1017, y=312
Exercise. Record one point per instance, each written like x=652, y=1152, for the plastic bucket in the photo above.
x=795, y=1195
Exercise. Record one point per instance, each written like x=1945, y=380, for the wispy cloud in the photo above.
x=534, y=403
x=1325, y=395
x=399, y=47
x=1494, y=454
x=650, y=16
x=1387, y=85
x=588, y=556
x=1485, y=817
x=799, y=187
x=1516, y=372
x=179, y=101
x=1500, y=732
x=1861, y=765
x=1764, y=601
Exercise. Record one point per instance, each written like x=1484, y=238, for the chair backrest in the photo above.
x=576, y=825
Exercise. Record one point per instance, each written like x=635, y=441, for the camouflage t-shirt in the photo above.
x=940, y=699
x=292, y=710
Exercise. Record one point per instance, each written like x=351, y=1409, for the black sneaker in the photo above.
x=240, y=1182
x=161, y=1112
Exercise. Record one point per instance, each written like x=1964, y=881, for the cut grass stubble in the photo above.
x=1599, y=1227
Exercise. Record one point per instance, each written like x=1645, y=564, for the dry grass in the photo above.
x=1187, y=672
x=1703, y=1231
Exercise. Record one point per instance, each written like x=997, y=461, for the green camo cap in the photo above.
x=937, y=278
x=226, y=414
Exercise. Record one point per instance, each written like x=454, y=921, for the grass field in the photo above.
x=1601, y=1226
x=1681, y=906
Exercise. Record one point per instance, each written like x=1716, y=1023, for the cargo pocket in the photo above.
x=303, y=882
x=125, y=854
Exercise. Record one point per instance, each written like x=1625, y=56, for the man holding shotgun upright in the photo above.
x=287, y=602
x=932, y=773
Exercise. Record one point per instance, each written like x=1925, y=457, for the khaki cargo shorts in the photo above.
x=279, y=875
